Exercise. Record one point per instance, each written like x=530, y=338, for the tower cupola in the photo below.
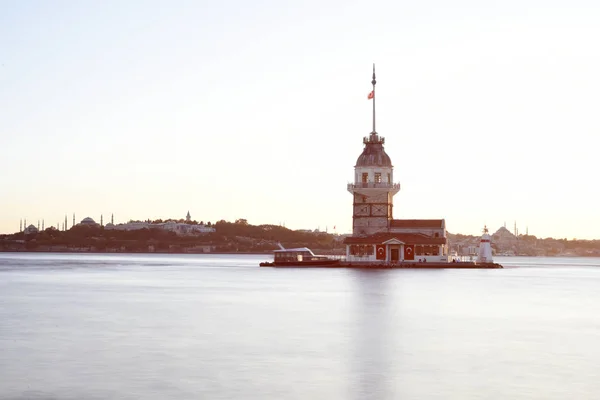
x=373, y=154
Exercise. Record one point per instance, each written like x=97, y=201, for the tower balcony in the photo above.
x=373, y=187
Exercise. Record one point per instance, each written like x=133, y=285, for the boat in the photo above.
x=299, y=257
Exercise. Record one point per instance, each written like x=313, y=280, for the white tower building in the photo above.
x=485, y=248
x=373, y=188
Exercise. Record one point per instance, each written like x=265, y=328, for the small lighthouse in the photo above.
x=485, y=248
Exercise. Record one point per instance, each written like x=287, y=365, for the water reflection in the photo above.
x=372, y=340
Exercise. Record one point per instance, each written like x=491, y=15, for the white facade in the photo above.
x=378, y=176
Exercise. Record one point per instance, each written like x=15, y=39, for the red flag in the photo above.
x=409, y=252
x=371, y=95
x=380, y=252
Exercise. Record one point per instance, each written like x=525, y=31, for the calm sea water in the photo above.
x=78, y=326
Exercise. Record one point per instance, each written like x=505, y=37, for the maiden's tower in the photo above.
x=376, y=236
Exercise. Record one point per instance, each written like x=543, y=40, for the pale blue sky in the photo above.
x=256, y=110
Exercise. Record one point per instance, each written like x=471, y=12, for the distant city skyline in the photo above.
x=233, y=110
x=69, y=223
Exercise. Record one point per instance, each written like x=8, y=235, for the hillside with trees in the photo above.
x=229, y=237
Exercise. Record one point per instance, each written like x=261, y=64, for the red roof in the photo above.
x=417, y=223
x=408, y=238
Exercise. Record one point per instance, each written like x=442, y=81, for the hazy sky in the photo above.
x=257, y=110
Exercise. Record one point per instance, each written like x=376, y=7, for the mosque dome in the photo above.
x=31, y=229
x=88, y=221
x=373, y=154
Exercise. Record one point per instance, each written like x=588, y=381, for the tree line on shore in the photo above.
x=238, y=236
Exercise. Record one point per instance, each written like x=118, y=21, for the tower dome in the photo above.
x=373, y=154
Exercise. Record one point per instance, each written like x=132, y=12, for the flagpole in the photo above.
x=374, y=82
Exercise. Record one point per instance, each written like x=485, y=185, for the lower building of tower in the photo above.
x=414, y=240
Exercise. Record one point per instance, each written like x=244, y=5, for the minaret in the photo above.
x=101, y=220
x=65, y=224
x=188, y=217
x=373, y=188
x=112, y=219
x=485, y=248
x=38, y=226
x=73, y=220
x=20, y=225
x=42, y=224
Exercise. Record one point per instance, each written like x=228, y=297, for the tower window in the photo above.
x=389, y=178
x=377, y=177
x=365, y=177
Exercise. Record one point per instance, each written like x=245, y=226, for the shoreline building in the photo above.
x=181, y=229
x=376, y=236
